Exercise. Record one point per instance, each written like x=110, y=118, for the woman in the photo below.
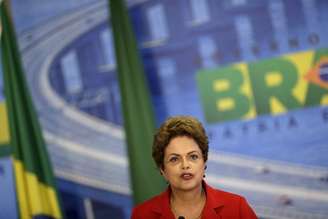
x=180, y=150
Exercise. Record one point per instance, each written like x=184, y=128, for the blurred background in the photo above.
x=253, y=71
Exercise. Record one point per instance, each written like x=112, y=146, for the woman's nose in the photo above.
x=185, y=164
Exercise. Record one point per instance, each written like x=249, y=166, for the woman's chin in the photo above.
x=187, y=185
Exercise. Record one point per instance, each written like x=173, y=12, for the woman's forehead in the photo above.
x=182, y=145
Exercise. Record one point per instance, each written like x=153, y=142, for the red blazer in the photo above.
x=219, y=205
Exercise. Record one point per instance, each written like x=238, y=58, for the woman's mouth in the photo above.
x=186, y=176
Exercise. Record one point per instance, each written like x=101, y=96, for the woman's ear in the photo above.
x=163, y=173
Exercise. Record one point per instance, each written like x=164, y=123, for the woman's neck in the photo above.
x=181, y=197
x=188, y=204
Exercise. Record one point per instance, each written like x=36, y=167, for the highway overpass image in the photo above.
x=276, y=160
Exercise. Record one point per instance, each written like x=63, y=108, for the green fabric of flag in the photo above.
x=35, y=187
x=139, y=121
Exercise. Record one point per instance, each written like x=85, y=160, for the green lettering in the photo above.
x=221, y=94
x=284, y=78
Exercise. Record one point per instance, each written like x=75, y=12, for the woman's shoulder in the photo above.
x=221, y=197
x=230, y=203
x=151, y=202
x=150, y=206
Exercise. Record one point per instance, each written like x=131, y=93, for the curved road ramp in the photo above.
x=91, y=152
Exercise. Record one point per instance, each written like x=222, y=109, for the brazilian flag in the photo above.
x=5, y=149
x=36, y=193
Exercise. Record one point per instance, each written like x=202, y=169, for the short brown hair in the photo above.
x=178, y=126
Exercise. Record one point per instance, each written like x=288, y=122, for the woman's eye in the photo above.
x=194, y=156
x=173, y=159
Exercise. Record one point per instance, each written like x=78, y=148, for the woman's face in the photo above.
x=184, y=165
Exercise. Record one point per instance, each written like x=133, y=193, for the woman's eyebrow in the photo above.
x=175, y=154
x=192, y=152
